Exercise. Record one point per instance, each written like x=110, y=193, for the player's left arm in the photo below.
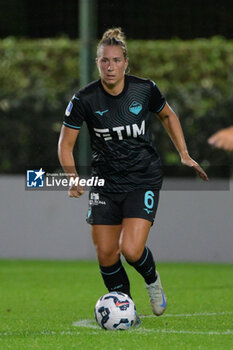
x=173, y=127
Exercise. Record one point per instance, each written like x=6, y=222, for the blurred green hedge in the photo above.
x=38, y=77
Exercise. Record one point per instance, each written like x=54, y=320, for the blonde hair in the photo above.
x=111, y=37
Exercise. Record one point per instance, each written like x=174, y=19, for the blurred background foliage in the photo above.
x=38, y=77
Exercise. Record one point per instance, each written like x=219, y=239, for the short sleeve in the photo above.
x=157, y=99
x=74, y=114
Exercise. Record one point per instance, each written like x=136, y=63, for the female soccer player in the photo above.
x=117, y=109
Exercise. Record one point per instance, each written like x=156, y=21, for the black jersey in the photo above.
x=123, y=152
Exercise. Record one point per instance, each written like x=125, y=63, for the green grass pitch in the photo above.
x=49, y=305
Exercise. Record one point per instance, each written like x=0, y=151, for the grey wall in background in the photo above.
x=190, y=225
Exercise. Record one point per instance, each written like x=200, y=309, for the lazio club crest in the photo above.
x=135, y=107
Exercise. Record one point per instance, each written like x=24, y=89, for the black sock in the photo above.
x=115, y=278
x=146, y=266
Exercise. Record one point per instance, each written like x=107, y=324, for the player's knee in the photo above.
x=130, y=252
x=107, y=256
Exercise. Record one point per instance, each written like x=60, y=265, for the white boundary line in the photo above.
x=86, y=324
x=182, y=331
x=90, y=323
x=191, y=315
x=140, y=330
x=27, y=333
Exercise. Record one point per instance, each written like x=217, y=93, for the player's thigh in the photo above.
x=104, y=209
x=141, y=204
x=133, y=238
x=106, y=240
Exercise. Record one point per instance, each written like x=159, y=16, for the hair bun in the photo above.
x=115, y=33
x=113, y=36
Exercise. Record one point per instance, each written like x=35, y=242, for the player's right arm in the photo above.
x=67, y=139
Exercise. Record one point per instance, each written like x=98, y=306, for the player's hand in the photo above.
x=222, y=139
x=188, y=161
x=75, y=191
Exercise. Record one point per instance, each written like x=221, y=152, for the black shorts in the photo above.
x=112, y=208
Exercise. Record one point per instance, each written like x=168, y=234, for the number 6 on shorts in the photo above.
x=149, y=199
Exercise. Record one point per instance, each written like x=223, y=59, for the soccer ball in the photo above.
x=114, y=311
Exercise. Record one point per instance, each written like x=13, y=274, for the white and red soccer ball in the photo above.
x=115, y=311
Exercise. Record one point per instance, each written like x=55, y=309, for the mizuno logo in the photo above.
x=148, y=211
x=101, y=112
